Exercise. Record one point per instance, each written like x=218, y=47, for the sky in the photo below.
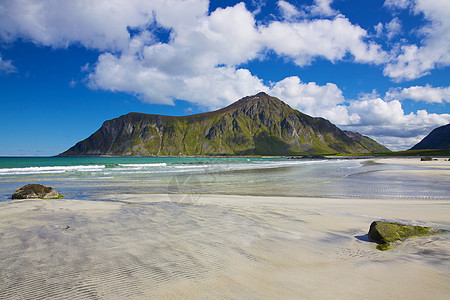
x=378, y=67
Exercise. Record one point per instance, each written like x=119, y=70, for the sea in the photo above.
x=92, y=178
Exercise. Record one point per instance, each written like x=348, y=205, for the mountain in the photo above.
x=439, y=138
x=367, y=142
x=259, y=125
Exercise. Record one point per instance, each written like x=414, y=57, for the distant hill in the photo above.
x=439, y=138
x=254, y=125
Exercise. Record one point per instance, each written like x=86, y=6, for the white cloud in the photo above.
x=214, y=88
x=397, y=4
x=416, y=61
x=6, y=66
x=387, y=123
x=388, y=117
x=330, y=39
x=421, y=93
x=313, y=99
x=92, y=23
x=382, y=119
x=379, y=28
x=377, y=111
x=398, y=144
x=200, y=62
x=288, y=10
x=389, y=30
x=322, y=8
x=393, y=28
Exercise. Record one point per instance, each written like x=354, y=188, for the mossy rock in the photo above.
x=384, y=233
x=36, y=191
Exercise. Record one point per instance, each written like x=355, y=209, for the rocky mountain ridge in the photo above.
x=438, y=138
x=254, y=125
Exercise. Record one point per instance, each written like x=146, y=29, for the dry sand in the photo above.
x=232, y=247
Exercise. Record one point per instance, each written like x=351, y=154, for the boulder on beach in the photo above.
x=384, y=233
x=426, y=158
x=36, y=191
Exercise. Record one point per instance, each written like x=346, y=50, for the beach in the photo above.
x=231, y=246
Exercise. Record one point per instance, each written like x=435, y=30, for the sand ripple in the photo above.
x=219, y=248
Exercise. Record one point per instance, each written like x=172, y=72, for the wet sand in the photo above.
x=142, y=246
x=150, y=246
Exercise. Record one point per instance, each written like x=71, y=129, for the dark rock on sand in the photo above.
x=36, y=191
x=384, y=233
x=307, y=157
x=426, y=158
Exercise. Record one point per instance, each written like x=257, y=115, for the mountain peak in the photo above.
x=260, y=97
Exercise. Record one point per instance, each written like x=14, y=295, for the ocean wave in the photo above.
x=51, y=169
x=149, y=168
x=201, y=166
x=143, y=165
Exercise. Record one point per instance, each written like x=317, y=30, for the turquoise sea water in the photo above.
x=90, y=177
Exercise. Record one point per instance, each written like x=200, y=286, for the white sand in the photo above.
x=232, y=247
x=438, y=167
x=220, y=247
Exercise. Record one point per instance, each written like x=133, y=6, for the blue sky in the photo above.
x=381, y=68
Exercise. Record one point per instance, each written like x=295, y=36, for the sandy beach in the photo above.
x=142, y=246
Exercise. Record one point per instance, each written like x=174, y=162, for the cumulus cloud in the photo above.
x=201, y=59
x=397, y=4
x=213, y=89
x=322, y=8
x=390, y=30
x=330, y=39
x=421, y=93
x=94, y=24
x=205, y=56
x=387, y=123
x=288, y=10
x=393, y=28
x=379, y=114
x=313, y=99
x=198, y=65
x=6, y=66
x=382, y=119
x=415, y=61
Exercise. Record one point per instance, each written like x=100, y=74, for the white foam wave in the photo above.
x=192, y=167
x=148, y=168
x=143, y=165
x=51, y=170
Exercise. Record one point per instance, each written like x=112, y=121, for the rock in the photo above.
x=33, y=191
x=307, y=157
x=384, y=233
x=426, y=158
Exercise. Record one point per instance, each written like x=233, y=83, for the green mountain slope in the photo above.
x=438, y=138
x=258, y=125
